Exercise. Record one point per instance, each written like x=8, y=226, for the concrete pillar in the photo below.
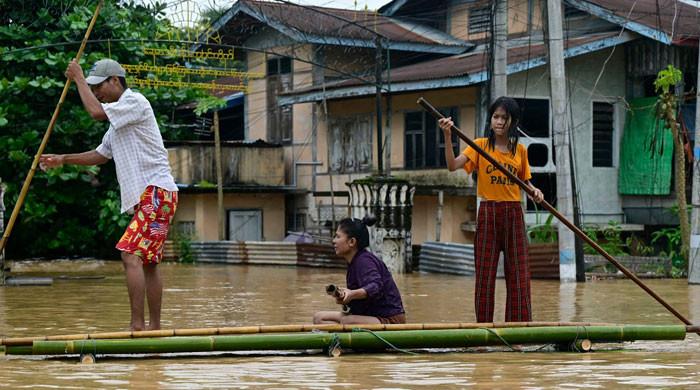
x=390, y=200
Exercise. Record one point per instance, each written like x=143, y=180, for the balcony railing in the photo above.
x=243, y=163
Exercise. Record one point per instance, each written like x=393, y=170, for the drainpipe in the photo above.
x=438, y=220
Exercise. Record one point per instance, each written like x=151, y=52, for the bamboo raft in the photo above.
x=335, y=338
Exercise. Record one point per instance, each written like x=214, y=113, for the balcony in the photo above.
x=245, y=164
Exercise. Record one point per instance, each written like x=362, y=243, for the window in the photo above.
x=279, y=119
x=185, y=228
x=424, y=143
x=603, y=127
x=534, y=117
x=279, y=65
x=350, y=144
x=547, y=183
x=535, y=122
x=479, y=20
x=244, y=225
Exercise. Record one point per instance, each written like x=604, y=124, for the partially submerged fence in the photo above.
x=446, y=258
x=434, y=257
x=458, y=259
x=257, y=252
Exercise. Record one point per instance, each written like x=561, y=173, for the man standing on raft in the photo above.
x=147, y=188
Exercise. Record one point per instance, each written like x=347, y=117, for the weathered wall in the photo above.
x=256, y=99
x=518, y=17
x=202, y=210
x=425, y=207
x=600, y=201
x=455, y=211
x=241, y=165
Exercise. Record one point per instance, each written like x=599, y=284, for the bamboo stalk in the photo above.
x=287, y=329
x=453, y=338
x=437, y=115
x=47, y=134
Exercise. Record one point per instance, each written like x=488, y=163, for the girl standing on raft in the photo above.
x=371, y=293
x=500, y=225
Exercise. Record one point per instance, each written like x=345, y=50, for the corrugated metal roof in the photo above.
x=247, y=16
x=460, y=65
x=678, y=20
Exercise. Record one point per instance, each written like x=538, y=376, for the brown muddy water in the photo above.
x=218, y=295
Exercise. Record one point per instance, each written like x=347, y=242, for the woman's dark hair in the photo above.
x=510, y=106
x=357, y=229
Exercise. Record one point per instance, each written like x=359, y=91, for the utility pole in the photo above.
x=387, y=145
x=378, y=83
x=560, y=130
x=499, y=86
x=219, y=177
x=694, y=255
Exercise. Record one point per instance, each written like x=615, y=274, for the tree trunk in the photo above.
x=679, y=155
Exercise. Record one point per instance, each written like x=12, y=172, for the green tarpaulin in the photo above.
x=646, y=154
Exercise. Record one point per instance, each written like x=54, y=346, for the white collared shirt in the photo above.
x=134, y=142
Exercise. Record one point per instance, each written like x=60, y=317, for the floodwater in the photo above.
x=219, y=295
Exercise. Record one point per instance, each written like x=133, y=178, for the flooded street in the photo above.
x=219, y=295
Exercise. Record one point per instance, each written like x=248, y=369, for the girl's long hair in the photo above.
x=510, y=106
x=357, y=229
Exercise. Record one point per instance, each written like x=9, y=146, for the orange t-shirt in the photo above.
x=492, y=183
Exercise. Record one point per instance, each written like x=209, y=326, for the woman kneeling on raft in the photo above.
x=371, y=293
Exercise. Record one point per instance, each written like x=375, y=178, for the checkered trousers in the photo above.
x=501, y=227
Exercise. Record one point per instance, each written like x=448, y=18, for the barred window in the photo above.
x=603, y=127
x=424, y=143
x=479, y=20
x=279, y=119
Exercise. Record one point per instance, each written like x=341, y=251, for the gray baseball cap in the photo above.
x=104, y=69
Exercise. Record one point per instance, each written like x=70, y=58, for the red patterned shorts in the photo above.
x=148, y=229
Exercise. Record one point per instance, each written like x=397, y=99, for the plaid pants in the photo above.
x=501, y=227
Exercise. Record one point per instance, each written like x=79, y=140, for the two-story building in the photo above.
x=319, y=100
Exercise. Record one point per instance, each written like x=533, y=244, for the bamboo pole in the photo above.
x=580, y=345
x=47, y=134
x=362, y=340
x=287, y=329
x=432, y=110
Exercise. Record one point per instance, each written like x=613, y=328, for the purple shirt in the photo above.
x=383, y=297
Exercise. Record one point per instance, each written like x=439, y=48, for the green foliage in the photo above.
x=667, y=78
x=543, y=233
x=73, y=210
x=638, y=247
x=670, y=238
x=206, y=184
x=183, y=244
x=209, y=103
x=609, y=238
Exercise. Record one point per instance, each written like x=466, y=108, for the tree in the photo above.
x=72, y=210
x=666, y=109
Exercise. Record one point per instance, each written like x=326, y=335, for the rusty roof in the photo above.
x=461, y=65
x=679, y=21
x=337, y=26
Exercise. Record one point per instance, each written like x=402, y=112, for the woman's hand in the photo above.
x=347, y=295
x=446, y=126
x=340, y=297
x=537, y=195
